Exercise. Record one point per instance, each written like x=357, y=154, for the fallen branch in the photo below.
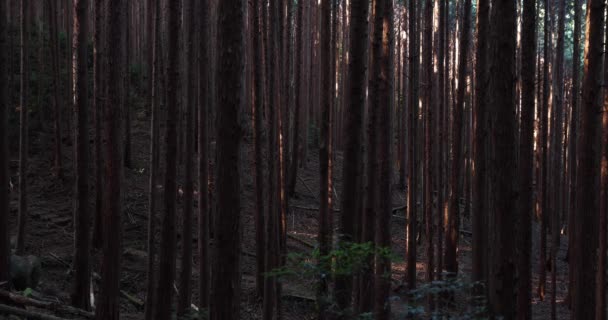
x=301, y=241
x=134, y=300
x=27, y=313
x=53, y=306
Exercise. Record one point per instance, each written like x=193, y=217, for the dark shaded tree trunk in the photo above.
x=298, y=100
x=480, y=180
x=429, y=126
x=588, y=157
x=412, y=207
x=226, y=269
x=353, y=135
x=99, y=93
x=4, y=156
x=82, y=224
x=107, y=302
x=54, y=40
x=456, y=178
x=502, y=297
x=382, y=85
x=544, y=137
x=325, y=161
x=572, y=145
x=185, y=293
x=166, y=274
x=203, y=163
x=154, y=93
x=526, y=163
x=23, y=126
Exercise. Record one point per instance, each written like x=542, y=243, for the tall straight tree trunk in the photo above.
x=82, y=242
x=442, y=57
x=526, y=162
x=272, y=221
x=325, y=160
x=382, y=86
x=572, y=146
x=166, y=274
x=588, y=157
x=480, y=191
x=429, y=174
x=107, y=302
x=298, y=99
x=154, y=93
x=353, y=135
x=601, y=260
x=23, y=126
x=544, y=137
x=226, y=279
x=185, y=294
x=99, y=92
x=259, y=140
x=127, y=87
x=557, y=148
x=502, y=227
x=412, y=208
x=4, y=156
x=54, y=39
x=456, y=178
x=203, y=160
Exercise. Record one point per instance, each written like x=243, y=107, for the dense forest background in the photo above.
x=295, y=159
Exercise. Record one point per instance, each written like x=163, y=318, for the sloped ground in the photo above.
x=50, y=234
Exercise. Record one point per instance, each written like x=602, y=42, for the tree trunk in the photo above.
x=99, y=92
x=456, y=178
x=412, y=206
x=154, y=158
x=325, y=161
x=166, y=274
x=544, y=136
x=23, y=136
x=185, y=293
x=298, y=99
x=203, y=149
x=82, y=266
x=382, y=85
x=572, y=146
x=54, y=40
x=107, y=303
x=4, y=156
x=526, y=164
x=502, y=227
x=480, y=181
x=353, y=135
x=226, y=278
x=588, y=156
x=429, y=124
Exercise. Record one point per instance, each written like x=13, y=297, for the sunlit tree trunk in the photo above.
x=588, y=157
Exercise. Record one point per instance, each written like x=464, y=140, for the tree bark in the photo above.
x=226, y=278
x=526, y=164
x=480, y=181
x=588, y=157
x=154, y=158
x=107, y=301
x=23, y=126
x=82, y=244
x=4, y=155
x=382, y=85
x=166, y=274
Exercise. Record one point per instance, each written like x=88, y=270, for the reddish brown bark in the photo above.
x=4, y=156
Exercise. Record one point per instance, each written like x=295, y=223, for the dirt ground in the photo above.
x=50, y=234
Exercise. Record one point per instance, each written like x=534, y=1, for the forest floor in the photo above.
x=50, y=234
